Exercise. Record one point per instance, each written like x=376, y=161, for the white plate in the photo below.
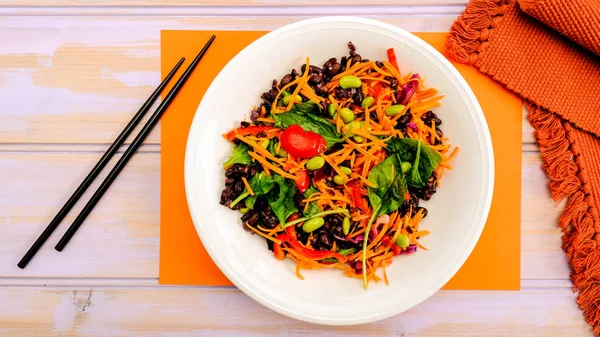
x=457, y=213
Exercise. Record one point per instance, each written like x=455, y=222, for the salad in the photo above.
x=332, y=165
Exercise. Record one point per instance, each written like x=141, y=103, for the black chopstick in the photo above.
x=139, y=139
x=96, y=170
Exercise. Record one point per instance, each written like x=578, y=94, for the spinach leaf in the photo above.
x=250, y=201
x=306, y=107
x=407, y=150
x=391, y=187
x=281, y=199
x=309, y=122
x=414, y=178
x=312, y=208
x=240, y=156
x=260, y=185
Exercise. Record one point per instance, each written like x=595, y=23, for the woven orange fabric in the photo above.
x=547, y=52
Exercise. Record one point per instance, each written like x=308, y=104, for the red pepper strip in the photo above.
x=378, y=91
x=357, y=199
x=310, y=253
x=302, y=180
x=302, y=144
x=291, y=230
x=392, y=58
x=244, y=131
x=393, y=245
x=278, y=251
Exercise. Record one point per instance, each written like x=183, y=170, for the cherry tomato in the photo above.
x=302, y=144
x=302, y=180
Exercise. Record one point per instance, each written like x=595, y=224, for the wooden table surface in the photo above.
x=73, y=72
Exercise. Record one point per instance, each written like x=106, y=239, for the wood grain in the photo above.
x=127, y=218
x=178, y=311
x=80, y=79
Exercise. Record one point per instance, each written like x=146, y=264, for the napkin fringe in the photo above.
x=560, y=154
x=470, y=33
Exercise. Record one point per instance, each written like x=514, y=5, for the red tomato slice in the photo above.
x=302, y=180
x=302, y=144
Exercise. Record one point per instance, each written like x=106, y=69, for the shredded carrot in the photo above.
x=335, y=167
x=265, y=120
x=247, y=186
x=271, y=166
x=263, y=235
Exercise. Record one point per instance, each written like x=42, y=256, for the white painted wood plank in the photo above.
x=200, y=311
x=207, y=3
x=120, y=239
x=80, y=79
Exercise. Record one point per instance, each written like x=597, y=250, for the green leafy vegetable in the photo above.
x=260, y=185
x=309, y=122
x=278, y=191
x=425, y=159
x=306, y=107
x=386, y=197
x=281, y=200
x=240, y=156
x=391, y=187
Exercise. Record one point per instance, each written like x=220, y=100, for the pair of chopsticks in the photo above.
x=110, y=178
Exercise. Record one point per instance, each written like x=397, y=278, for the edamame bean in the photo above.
x=313, y=224
x=315, y=163
x=285, y=93
x=367, y=102
x=264, y=143
x=331, y=109
x=346, y=115
x=244, y=210
x=402, y=241
x=346, y=226
x=405, y=166
x=394, y=109
x=354, y=125
x=346, y=170
x=348, y=82
x=338, y=180
x=286, y=100
x=358, y=139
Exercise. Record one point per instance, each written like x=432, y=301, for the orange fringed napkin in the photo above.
x=548, y=51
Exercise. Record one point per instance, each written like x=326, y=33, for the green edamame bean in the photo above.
x=285, y=93
x=338, y=180
x=315, y=163
x=264, y=143
x=406, y=166
x=346, y=226
x=346, y=115
x=348, y=82
x=367, y=102
x=358, y=139
x=331, y=109
x=354, y=125
x=402, y=241
x=244, y=210
x=313, y=224
x=286, y=100
x=346, y=170
x=394, y=109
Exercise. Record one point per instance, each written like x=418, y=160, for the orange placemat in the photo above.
x=493, y=265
